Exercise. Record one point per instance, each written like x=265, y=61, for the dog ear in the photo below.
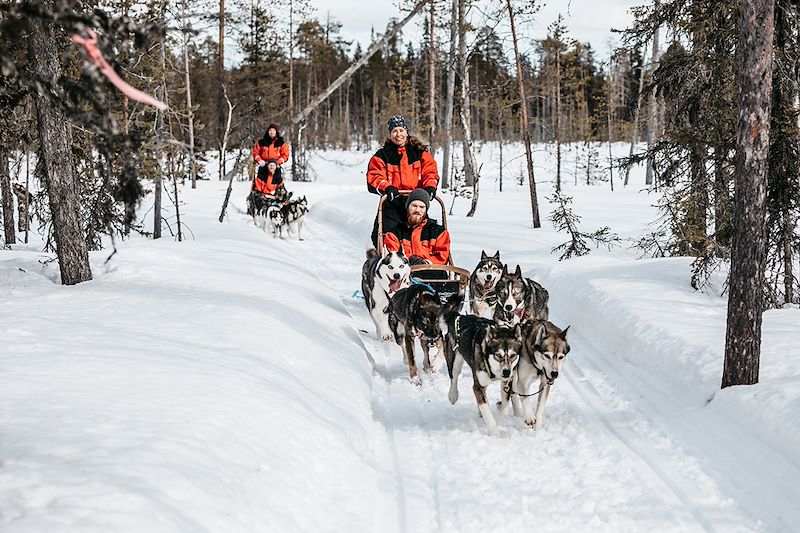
x=496, y=255
x=401, y=252
x=505, y=271
x=518, y=331
x=540, y=333
x=484, y=257
x=563, y=334
x=518, y=272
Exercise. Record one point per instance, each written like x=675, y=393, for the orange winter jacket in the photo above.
x=266, y=149
x=404, y=167
x=270, y=184
x=428, y=241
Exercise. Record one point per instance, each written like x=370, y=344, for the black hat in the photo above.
x=421, y=195
x=397, y=121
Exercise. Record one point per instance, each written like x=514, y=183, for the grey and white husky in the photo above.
x=417, y=311
x=519, y=299
x=293, y=213
x=482, y=283
x=544, y=347
x=381, y=278
x=491, y=351
x=270, y=219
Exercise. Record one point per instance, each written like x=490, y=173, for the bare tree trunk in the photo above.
x=8, y=199
x=745, y=297
x=432, y=75
x=55, y=141
x=788, y=269
x=471, y=177
x=189, y=110
x=526, y=138
x=451, y=91
x=635, y=134
x=292, y=142
x=557, y=118
x=220, y=89
x=158, y=186
x=652, y=107
x=610, y=127
x=501, y=162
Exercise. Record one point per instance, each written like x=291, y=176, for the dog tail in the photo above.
x=372, y=253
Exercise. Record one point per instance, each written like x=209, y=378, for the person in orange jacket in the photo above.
x=268, y=180
x=403, y=163
x=271, y=146
x=424, y=240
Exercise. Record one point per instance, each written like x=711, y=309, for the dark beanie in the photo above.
x=397, y=121
x=421, y=195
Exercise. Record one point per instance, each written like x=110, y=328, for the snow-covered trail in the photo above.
x=598, y=463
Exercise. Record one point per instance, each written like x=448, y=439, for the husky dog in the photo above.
x=544, y=347
x=482, y=281
x=381, y=277
x=258, y=206
x=519, y=299
x=274, y=220
x=491, y=351
x=416, y=311
x=293, y=213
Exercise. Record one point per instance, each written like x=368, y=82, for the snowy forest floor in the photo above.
x=226, y=384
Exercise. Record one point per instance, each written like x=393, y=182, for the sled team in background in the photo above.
x=269, y=203
x=506, y=336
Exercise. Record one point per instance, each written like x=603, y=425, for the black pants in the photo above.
x=394, y=213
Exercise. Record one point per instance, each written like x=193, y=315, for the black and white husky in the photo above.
x=417, y=311
x=293, y=213
x=269, y=218
x=491, y=351
x=544, y=347
x=381, y=278
x=482, y=282
x=519, y=299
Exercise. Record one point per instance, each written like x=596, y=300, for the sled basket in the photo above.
x=456, y=281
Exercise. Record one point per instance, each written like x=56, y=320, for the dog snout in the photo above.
x=509, y=307
x=554, y=374
x=396, y=276
x=506, y=373
x=488, y=277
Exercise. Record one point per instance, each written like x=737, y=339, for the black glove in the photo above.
x=391, y=193
x=431, y=191
x=417, y=260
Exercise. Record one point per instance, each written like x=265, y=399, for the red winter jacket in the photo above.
x=404, y=167
x=271, y=184
x=266, y=149
x=428, y=241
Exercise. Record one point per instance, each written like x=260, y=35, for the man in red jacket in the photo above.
x=424, y=240
x=270, y=146
x=404, y=163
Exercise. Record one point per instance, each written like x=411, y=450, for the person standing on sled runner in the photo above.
x=270, y=146
x=266, y=184
x=404, y=163
x=424, y=240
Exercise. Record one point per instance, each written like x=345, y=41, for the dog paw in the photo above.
x=437, y=363
x=453, y=396
x=416, y=380
x=530, y=422
x=501, y=407
x=387, y=337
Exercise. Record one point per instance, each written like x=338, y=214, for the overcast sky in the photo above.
x=586, y=20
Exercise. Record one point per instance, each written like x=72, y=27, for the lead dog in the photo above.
x=381, y=278
x=544, y=348
x=416, y=311
x=482, y=282
x=519, y=299
x=491, y=351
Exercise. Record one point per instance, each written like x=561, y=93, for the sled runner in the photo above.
x=454, y=279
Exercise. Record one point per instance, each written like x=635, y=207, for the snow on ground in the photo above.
x=222, y=384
